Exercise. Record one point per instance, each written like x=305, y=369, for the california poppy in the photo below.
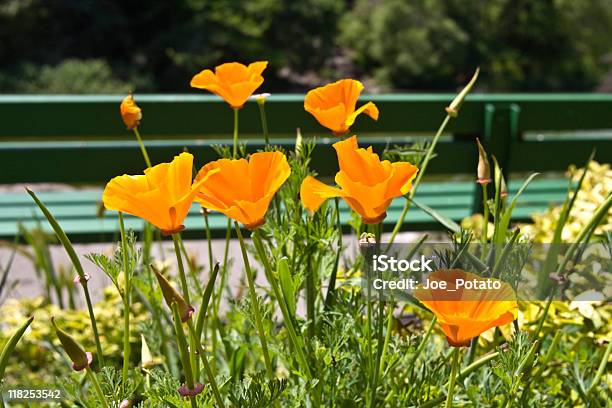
x=333, y=105
x=232, y=81
x=162, y=196
x=242, y=189
x=466, y=312
x=366, y=183
x=131, y=114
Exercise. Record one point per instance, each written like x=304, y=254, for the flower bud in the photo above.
x=186, y=392
x=260, y=98
x=172, y=295
x=146, y=358
x=81, y=359
x=367, y=240
x=484, y=169
x=503, y=188
x=130, y=112
x=453, y=108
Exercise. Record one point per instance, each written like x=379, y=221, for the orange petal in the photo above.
x=313, y=193
x=369, y=109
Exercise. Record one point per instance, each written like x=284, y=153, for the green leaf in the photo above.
x=11, y=344
x=205, y=300
x=442, y=219
x=506, y=217
x=61, y=235
x=286, y=283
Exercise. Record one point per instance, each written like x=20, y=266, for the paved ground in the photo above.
x=27, y=284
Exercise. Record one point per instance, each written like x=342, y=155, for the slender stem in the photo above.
x=485, y=224
x=289, y=324
x=179, y=260
x=235, y=154
x=126, y=304
x=423, y=342
x=255, y=303
x=400, y=221
x=601, y=368
x=94, y=380
x=208, y=241
x=381, y=367
x=310, y=289
x=264, y=122
x=453, y=376
x=183, y=351
x=207, y=368
x=94, y=325
x=143, y=149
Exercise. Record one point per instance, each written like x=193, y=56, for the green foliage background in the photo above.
x=104, y=46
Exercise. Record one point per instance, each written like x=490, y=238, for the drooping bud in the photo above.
x=453, y=108
x=172, y=295
x=131, y=114
x=503, y=188
x=81, y=359
x=484, y=169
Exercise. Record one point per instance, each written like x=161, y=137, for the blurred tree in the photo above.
x=157, y=46
x=545, y=45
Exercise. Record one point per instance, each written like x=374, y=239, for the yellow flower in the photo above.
x=333, y=105
x=162, y=196
x=131, y=114
x=243, y=189
x=232, y=81
x=367, y=184
x=466, y=313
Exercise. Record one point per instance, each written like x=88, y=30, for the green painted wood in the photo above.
x=76, y=210
x=101, y=147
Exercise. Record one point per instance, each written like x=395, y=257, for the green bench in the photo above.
x=80, y=140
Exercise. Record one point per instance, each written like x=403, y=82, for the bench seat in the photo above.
x=76, y=210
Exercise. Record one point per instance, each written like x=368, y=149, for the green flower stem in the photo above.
x=381, y=366
x=209, y=373
x=209, y=326
x=63, y=238
x=255, y=303
x=298, y=345
x=423, y=342
x=264, y=121
x=310, y=289
x=235, y=151
x=453, y=377
x=417, y=181
x=94, y=380
x=377, y=231
x=184, y=353
x=485, y=224
x=143, y=149
x=126, y=304
x=601, y=368
x=179, y=260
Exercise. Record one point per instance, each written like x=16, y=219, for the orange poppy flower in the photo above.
x=232, y=81
x=465, y=312
x=366, y=183
x=131, y=114
x=162, y=196
x=243, y=189
x=333, y=105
